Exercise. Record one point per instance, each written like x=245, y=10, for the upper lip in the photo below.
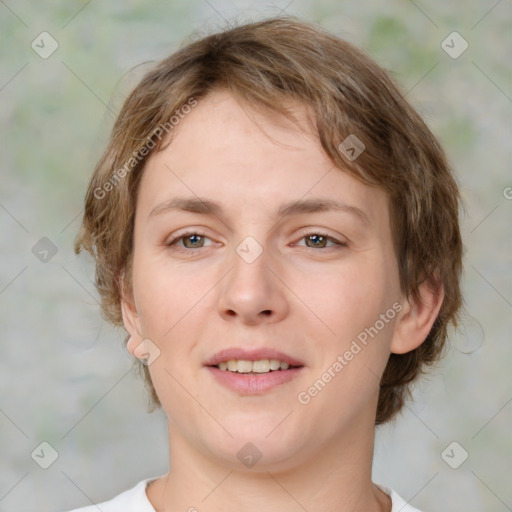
x=257, y=354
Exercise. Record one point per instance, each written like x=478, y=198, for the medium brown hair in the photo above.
x=265, y=64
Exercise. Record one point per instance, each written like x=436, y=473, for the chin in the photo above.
x=254, y=446
x=255, y=454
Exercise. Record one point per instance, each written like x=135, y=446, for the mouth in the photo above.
x=253, y=372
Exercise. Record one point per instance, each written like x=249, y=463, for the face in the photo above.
x=286, y=258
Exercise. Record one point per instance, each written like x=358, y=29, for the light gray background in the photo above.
x=64, y=375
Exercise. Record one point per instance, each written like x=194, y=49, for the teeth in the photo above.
x=274, y=364
x=244, y=366
x=260, y=366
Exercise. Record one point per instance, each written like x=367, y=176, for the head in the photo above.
x=255, y=118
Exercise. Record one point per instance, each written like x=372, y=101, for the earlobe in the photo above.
x=136, y=348
x=417, y=317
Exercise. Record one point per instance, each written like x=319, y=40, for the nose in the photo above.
x=253, y=292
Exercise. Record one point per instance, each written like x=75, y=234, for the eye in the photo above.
x=196, y=240
x=320, y=241
x=191, y=240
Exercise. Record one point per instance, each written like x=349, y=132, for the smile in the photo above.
x=251, y=382
x=259, y=366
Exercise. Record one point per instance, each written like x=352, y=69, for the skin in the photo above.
x=302, y=296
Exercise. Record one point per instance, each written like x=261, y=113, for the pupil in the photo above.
x=317, y=238
x=192, y=237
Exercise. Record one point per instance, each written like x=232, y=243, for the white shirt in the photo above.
x=136, y=500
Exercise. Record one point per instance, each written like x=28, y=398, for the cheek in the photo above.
x=354, y=340
x=347, y=299
x=176, y=305
x=173, y=307
x=168, y=295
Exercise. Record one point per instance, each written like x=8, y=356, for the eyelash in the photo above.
x=187, y=234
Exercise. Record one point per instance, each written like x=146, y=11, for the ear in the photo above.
x=131, y=321
x=417, y=316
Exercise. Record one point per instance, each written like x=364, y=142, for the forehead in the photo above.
x=246, y=159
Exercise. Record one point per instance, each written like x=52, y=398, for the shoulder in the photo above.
x=398, y=503
x=132, y=500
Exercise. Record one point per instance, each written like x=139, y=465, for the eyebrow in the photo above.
x=301, y=206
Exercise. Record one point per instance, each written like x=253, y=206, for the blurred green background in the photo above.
x=64, y=375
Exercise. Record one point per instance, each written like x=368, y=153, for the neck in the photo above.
x=336, y=478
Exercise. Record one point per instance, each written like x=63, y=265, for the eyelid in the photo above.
x=340, y=240
x=189, y=232
x=336, y=244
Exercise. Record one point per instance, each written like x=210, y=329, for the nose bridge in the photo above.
x=251, y=291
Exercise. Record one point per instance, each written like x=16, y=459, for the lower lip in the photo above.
x=251, y=384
